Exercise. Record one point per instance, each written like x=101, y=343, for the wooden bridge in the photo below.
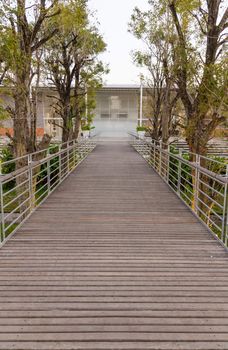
x=113, y=260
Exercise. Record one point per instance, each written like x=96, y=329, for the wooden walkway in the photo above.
x=113, y=260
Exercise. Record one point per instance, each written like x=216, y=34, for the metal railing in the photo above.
x=7, y=166
x=201, y=182
x=219, y=148
x=24, y=189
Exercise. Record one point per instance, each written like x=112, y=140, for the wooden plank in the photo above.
x=112, y=320
x=115, y=336
x=114, y=345
x=113, y=260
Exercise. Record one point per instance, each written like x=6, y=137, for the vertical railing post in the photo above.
x=160, y=158
x=225, y=212
x=48, y=172
x=179, y=172
x=196, y=184
x=30, y=183
x=151, y=153
x=60, y=163
x=154, y=154
x=2, y=233
x=68, y=157
x=168, y=163
x=74, y=153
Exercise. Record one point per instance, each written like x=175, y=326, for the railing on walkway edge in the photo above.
x=203, y=190
x=7, y=166
x=23, y=190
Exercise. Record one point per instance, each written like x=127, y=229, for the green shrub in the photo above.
x=141, y=128
x=87, y=127
x=5, y=157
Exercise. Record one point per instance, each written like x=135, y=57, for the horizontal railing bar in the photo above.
x=187, y=179
x=14, y=188
x=18, y=207
x=211, y=188
x=211, y=199
x=185, y=195
x=184, y=179
x=174, y=179
x=55, y=176
x=193, y=164
x=42, y=195
x=32, y=165
x=55, y=183
x=173, y=171
x=15, y=199
x=203, y=203
x=52, y=146
x=15, y=220
x=186, y=189
x=41, y=180
x=175, y=185
x=186, y=172
x=53, y=164
x=40, y=172
x=56, y=167
x=209, y=219
x=39, y=189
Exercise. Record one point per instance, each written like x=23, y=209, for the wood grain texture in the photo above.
x=113, y=260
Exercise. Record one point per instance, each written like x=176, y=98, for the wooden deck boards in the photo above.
x=113, y=260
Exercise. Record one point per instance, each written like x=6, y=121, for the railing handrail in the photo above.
x=35, y=163
x=24, y=189
x=222, y=178
x=202, y=190
x=159, y=145
x=45, y=150
x=176, y=143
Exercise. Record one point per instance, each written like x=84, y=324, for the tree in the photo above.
x=155, y=32
x=196, y=65
x=201, y=66
x=72, y=65
x=24, y=32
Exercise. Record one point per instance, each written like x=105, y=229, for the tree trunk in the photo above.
x=166, y=114
x=21, y=129
x=65, y=132
x=43, y=145
x=66, y=116
x=77, y=126
x=77, y=114
x=32, y=146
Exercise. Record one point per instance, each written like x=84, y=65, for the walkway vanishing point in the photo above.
x=113, y=260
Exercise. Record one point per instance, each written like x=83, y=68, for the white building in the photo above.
x=117, y=112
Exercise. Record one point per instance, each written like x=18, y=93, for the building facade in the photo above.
x=117, y=112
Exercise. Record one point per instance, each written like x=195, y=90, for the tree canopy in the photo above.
x=56, y=42
x=72, y=64
x=194, y=36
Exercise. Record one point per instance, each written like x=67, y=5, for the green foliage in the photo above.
x=72, y=63
x=3, y=113
x=141, y=128
x=9, y=230
x=6, y=156
x=85, y=128
x=154, y=29
x=191, y=36
x=9, y=49
x=211, y=191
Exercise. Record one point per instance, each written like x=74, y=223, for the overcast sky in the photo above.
x=114, y=16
